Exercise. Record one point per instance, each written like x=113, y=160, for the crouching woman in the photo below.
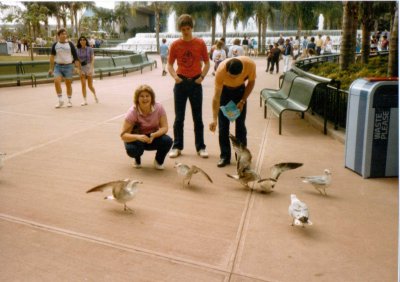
x=145, y=128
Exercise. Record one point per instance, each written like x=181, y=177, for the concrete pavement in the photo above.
x=52, y=230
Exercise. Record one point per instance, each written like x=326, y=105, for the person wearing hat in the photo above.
x=234, y=80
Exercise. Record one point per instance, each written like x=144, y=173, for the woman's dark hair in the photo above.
x=78, y=44
x=234, y=66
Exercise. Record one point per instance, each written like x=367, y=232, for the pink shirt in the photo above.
x=146, y=123
x=189, y=55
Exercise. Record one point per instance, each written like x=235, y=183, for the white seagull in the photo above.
x=186, y=172
x=299, y=212
x=321, y=182
x=122, y=191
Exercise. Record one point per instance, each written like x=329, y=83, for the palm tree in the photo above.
x=122, y=12
x=393, y=68
x=347, y=47
x=263, y=12
x=303, y=13
x=158, y=8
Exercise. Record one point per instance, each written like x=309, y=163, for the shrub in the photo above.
x=376, y=67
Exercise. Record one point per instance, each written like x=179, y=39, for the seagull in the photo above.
x=265, y=184
x=247, y=175
x=122, y=191
x=321, y=182
x=186, y=172
x=298, y=211
x=243, y=155
x=2, y=156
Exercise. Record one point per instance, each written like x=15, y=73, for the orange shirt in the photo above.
x=222, y=77
x=188, y=55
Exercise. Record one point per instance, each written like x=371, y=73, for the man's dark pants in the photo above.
x=223, y=122
x=183, y=91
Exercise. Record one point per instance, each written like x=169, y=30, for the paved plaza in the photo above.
x=51, y=230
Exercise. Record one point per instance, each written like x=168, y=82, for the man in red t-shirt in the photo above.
x=191, y=54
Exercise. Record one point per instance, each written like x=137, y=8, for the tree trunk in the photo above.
x=213, y=26
x=157, y=14
x=58, y=22
x=224, y=18
x=393, y=68
x=347, y=45
x=260, y=42
x=264, y=35
x=71, y=15
x=367, y=25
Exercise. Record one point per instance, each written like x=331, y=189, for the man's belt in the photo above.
x=233, y=88
x=189, y=78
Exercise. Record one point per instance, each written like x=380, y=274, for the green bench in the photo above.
x=10, y=72
x=298, y=100
x=282, y=92
x=37, y=70
x=106, y=66
x=127, y=64
x=149, y=62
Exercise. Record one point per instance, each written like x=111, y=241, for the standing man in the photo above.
x=191, y=54
x=245, y=45
x=164, y=55
x=63, y=53
x=230, y=85
x=318, y=44
x=287, y=55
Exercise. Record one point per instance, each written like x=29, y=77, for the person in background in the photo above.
x=327, y=46
x=213, y=47
x=86, y=58
x=218, y=56
x=318, y=44
x=287, y=55
x=276, y=53
x=164, y=55
x=269, y=57
x=234, y=81
x=145, y=128
x=193, y=64
x=236, y=50
x=245, y=46
x=62, y=59
x=384, y=43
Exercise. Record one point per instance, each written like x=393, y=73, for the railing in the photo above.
x=329, y=102
x=97, y=52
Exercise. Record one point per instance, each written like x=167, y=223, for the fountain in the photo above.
x=146, y=42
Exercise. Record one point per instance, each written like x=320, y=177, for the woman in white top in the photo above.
x=236, y=50
x=218, y=55
x=327, y=46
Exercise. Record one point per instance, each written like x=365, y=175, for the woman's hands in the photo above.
x=145, y=139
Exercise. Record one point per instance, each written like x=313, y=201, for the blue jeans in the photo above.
x=65, y=71
x=183, y=91
x=162, y=144
x=223, y=123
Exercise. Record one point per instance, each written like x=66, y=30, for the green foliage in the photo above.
x=376, y=67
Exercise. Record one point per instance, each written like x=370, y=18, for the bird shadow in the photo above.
x=316, y=194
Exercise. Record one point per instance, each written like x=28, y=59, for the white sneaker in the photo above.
x=174, y=153
x=96, y=99
x=203, y=153
x=137, y=165
x=69, y=104
x=59, y=104
x=83, y=104
x=158, y=166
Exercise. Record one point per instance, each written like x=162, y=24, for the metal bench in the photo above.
x=10, y=72
x=106, y=66
x=126, y=63
x=36, y=69
x=298, y=100
x=281, y=93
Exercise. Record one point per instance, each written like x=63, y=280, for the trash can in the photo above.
x=6, y=48
x=372, y=130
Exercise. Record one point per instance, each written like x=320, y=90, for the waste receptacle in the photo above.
x=372, y=145
x=6, y=48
